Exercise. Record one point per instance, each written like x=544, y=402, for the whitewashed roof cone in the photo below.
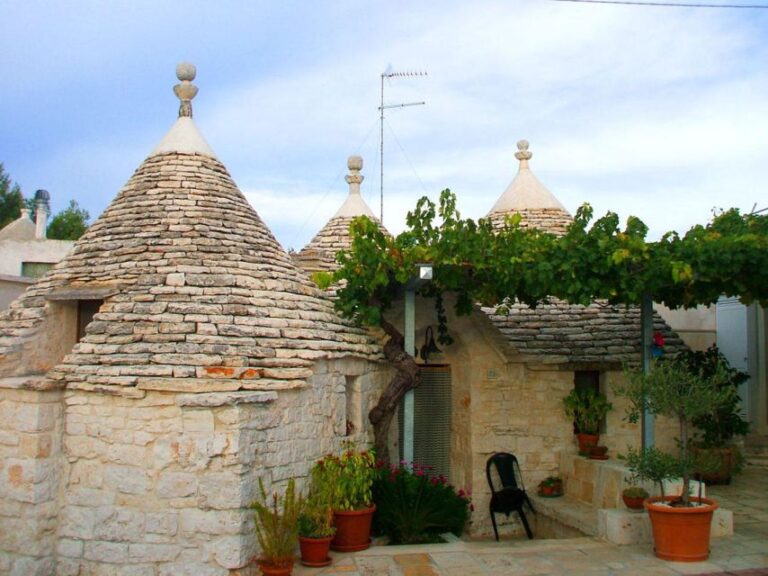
x=320, y=253
x=20, y=229
x=184, y=137
x=198, y=294
x=527, y=196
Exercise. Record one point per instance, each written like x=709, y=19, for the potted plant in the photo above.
x=717, y=429
x=277, y=529
x=634, y=496
x=349, y=478
x=681, y=523
x=551, y=487
x=598, y=453
x=316, y=528
x=587, y=408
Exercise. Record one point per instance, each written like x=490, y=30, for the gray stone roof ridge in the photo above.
x=598, y=336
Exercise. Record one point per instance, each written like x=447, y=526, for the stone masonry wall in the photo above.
x=160, y=483
x=30, y=441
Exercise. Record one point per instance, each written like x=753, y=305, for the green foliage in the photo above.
x=413, y=507
x=593, y=260
x=277, y=524
x=69, y=224
x=635, y=492
x=347, y=478
x=653, y=465
x=719, y=426
x=316, y=519
x=672, y=389
x=11, y=199
x=551, y=481
x=586, y=408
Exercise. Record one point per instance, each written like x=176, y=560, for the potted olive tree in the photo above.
x=349, y=479
x=717, y=429
x=587, y=408
x=277, y=529
x=681, y=523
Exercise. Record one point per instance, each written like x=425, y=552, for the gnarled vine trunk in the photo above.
x=406, y=378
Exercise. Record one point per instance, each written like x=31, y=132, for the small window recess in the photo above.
x=589, y=380
x=354, y=407
x=86, y=310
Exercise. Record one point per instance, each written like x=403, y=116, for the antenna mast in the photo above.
x=389, y=73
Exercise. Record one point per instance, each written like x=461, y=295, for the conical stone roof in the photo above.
x=527, y=196
x=199, y=295
x=320, y=253
x=20, y=229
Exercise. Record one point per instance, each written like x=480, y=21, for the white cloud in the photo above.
x=657, y=112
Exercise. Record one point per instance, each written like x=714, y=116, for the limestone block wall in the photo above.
x=30, y=441
x=518, y=412
x=159, y=483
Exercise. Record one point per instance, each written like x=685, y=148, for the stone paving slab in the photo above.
x=743, y=554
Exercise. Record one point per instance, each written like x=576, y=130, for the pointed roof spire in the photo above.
x=527, y=196
x=354, y=205
x=185, y=91
x=320, y=253
x=184, y=137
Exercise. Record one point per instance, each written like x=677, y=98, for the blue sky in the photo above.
x=657, y=112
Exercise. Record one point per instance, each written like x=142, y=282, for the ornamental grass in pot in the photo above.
x=349, y=479
x=277, y=529
x=681, y=523
x=586, y=408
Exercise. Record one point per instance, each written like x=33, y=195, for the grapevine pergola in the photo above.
x=493, y=267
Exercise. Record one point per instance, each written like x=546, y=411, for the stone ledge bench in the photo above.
x=592, y=506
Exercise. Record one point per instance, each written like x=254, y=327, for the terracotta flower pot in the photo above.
x=314, y=551
x=598, y=452
x=725, y=457
x=272, y=570
x=353, y=529
x=681, y=534
x=633, y=502
x=586, y=441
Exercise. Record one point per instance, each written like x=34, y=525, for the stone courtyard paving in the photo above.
x=743, y=554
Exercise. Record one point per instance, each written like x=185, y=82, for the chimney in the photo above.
x=42, y=207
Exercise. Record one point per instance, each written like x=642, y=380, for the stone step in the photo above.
x=756, y=461
x=568, y=512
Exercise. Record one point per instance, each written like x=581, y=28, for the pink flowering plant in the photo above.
x=414, y=506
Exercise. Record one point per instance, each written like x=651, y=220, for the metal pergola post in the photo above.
x=646, y=319
x=425, y=275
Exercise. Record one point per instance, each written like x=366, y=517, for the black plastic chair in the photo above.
x=510, y=496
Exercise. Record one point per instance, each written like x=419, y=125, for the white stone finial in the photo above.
x=522, y=153
x=185, y=91
x=354, y=178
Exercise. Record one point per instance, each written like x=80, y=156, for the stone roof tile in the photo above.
x=599, y=334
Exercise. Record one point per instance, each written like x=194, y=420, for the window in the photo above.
x=35, y=269
x=431, y=420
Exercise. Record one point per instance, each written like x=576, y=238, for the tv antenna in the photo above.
x=389, y=73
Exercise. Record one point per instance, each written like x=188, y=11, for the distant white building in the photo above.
x=25, y=253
